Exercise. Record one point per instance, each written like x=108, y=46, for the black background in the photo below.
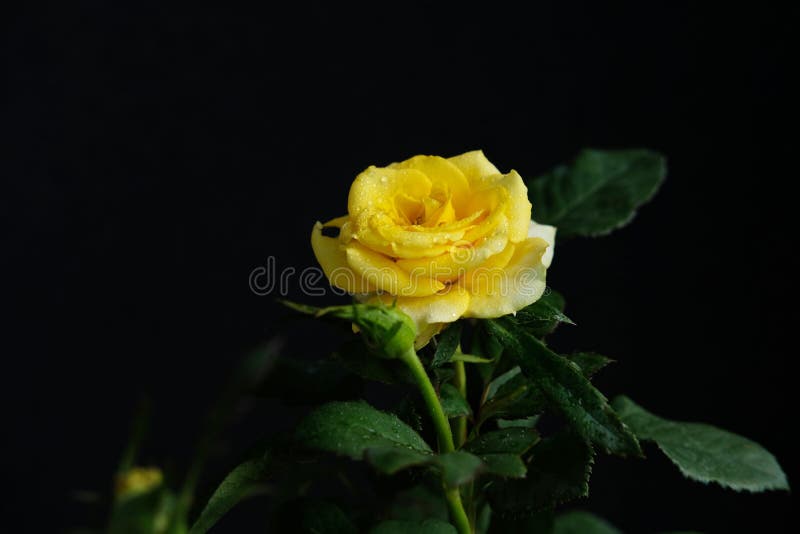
x=158, y=155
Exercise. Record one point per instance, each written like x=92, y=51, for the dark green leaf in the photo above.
x=582, y=523
x=504, y=465
x=599, y=192
x=428, y=526
x=459, y=467
x=469, y=358
x=525, y=422
x=350, y=428
x=237, y=485
x=557, y=473
x=539, y=523
x=508, y=440
x=706, y=453
x=453, y=403
x=511, y=396
x=390, y=460
x=355, y=356
x=418, y=503
x=567, y=390
x=447, y=343
x=542, y=317
x=327, y=518
x=589, y=362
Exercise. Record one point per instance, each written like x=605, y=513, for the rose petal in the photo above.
x=474, y=165
x=384, y=274
x=498, y=292
x=333, y=259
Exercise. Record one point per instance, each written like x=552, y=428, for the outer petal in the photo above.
x=333, y=259
x=474, y=165
x=502, y=291
x=518, y=208
x=444, y=307
x=382, y=273
x=548, y=233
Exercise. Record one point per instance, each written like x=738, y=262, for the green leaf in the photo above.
x=418, y=503
x=447, y=343
x=508, y=440
x=544, y=315
x=390, y=460
x=453, y=403
x=350, y=428
x=459, y=467
x=558, y=472
x=598, y=193
x=589, y=362
x=511, y=396
x=525, y=422
x=237, y=485
x=469, y=358
x=428, y=526
x=582, y=523
x=150, y=512
x=356, y=357
x=504, y=465
x=706, y=453
x=562, y=383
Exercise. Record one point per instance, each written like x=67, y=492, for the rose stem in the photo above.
x=443, y=433
x=460, y=380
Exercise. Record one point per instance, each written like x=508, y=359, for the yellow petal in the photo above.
x=385, y=275
x=445, y=178
x=548, y=233
x=333, y=259
x=459, y=259
x=500, y=291
x=444, y=307
x=375, y=189
x=515, y=202
x=474, y=165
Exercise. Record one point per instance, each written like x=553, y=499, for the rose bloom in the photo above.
x=444, y=238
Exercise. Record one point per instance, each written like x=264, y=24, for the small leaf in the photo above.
x=447, y=343
x=544, y=315
x=453, y=403
x=598, y=193
x=558, y=472
x=562, y=383
x=508, y=440
x=350, y=428
x=511, y=396
x=706, y=453
x=469, y=358
x=459, y=467
x=589, y=362
x=504, y=465
x=237, y=485
x=428, y=526
x=582, y=523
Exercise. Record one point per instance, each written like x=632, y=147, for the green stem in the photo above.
x=460, y=380
x=443, y=433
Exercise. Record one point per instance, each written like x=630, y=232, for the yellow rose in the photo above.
x=443, y=237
